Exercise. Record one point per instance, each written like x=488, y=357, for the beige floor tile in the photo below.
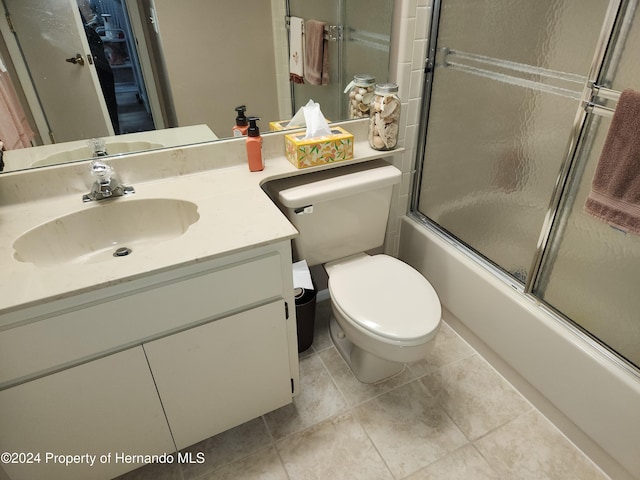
x=463, y=464
x=318, y=400
x=475, y=396
x=353, y=390
x=335, y=449
x=531, y=448
x=448, y=348
x=409, y=430
x=154, y=472
x=228, y=447
x=263, y=465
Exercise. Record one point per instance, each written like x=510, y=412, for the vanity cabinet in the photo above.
x=105, y=406
x=209, y=377
x=150, y=365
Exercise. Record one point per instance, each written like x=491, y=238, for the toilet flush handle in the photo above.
x=303, y=210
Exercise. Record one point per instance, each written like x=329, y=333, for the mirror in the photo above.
x=204, y=60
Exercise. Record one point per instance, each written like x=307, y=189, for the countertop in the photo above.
x=235, y=213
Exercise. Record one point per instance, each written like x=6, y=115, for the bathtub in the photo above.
x=580, y=387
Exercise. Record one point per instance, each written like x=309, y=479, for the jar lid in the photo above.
x=385, y=88
x=364, y=79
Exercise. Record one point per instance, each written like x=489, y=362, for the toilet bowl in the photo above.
x=385, y=314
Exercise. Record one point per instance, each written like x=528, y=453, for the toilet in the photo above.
x=385, y=313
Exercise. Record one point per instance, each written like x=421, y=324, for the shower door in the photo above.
x=507, y=81
x=359, y=33
x=507, y=152
x=591, y=272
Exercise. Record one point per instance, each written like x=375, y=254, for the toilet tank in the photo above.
x=338, y=212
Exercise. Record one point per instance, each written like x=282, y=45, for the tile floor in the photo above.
x=448, y=417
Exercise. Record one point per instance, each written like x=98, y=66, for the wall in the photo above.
x=237, y=37
x=407, y=56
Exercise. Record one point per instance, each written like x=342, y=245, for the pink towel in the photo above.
x=15, y=131
x=316, y=55
x=615, y=190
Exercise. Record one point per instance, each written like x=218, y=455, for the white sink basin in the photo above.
x=97, y=232
x=84, y=153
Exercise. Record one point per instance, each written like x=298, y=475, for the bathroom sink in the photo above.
x=85, y=152
x=105, y=231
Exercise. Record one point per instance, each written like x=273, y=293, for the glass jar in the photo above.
x=359, y=95
x=384, y=119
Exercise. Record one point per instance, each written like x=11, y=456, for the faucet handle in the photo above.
x=101, y=171
x=98, y=147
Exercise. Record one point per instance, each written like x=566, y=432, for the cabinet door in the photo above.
x=103, y=407
x=219, y=375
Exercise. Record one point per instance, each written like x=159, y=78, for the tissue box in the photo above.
x=303, y=153
x=282, y=125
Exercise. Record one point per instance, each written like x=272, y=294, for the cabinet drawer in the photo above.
x=64, y=339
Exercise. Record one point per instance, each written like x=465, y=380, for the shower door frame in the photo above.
x=550, y=228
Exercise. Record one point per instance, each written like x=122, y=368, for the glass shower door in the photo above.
x=591, y=273
x=507, y=81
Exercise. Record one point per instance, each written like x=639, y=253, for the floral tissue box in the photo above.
x=311, y=152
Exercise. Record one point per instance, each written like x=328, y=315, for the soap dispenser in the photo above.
x=254, y=146
x=242, y=125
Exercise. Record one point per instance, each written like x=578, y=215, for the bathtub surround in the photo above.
x=587, y=395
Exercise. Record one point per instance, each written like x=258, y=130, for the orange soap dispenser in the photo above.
x=254, y=146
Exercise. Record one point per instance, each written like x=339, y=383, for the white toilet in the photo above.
x=386, y=314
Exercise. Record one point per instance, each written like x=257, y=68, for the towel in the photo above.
x=15, y=131
x=615, y=191
x=316, y=59
x=296, y=50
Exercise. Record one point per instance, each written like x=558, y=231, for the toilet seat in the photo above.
x=386, y=297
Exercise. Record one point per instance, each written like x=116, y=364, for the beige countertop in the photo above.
x=235, y=213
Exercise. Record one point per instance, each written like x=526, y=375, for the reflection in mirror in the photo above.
x=175, y=64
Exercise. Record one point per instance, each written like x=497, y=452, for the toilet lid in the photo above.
x=387, y=297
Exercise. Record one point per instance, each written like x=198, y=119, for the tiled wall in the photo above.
x=409, y=47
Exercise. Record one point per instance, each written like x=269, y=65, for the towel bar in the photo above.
x=598, y=109
x=602, y=92
x=599, y=91
x=332, y=33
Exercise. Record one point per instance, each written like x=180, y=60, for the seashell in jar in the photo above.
x=388, y=108
x=378, y=142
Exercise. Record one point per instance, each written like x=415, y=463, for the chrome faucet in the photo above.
x=106, y=185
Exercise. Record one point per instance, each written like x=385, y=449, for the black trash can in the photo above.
x=305, y=316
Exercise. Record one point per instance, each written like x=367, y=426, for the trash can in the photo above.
x=305, y=316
